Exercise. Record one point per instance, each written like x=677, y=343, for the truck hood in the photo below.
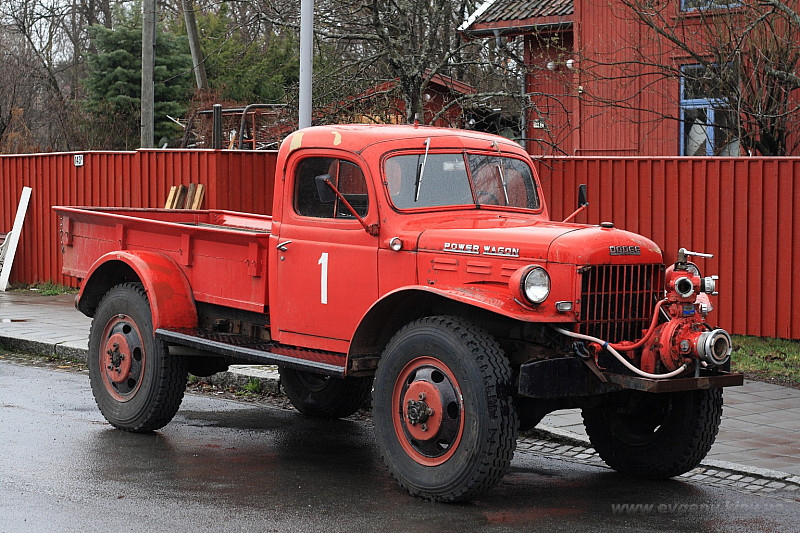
x=554, y=242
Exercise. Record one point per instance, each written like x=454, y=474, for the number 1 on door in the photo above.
x=323, y=262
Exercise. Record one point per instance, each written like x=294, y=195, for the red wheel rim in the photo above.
x=122, y=358
x=427, y=411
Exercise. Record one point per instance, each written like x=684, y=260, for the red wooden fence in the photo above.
x=745, y=211
x=234, y=180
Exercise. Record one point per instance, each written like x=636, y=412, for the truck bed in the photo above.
x=223, y=253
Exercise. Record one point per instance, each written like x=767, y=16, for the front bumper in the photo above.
x=569, y=377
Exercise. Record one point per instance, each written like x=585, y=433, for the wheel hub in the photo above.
x=119, y=361
x=423, y=410
x=122, y=357
x=418, y=412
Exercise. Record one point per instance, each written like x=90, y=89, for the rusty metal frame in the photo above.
x=723, y=379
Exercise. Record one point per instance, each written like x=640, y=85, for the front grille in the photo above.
x=617, y=300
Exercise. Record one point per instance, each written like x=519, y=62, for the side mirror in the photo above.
x=583, y=203
x=325, y=189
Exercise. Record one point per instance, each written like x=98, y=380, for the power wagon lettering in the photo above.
x=462, y=248
x=475, y=249
x=501, y=251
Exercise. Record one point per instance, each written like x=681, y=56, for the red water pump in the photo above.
x=686, y=339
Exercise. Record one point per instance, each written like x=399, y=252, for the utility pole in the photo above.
x=306, y=61
x=148, y=67
x=194, y=45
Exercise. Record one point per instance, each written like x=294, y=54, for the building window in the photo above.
x=700, y=5
x=708, y=124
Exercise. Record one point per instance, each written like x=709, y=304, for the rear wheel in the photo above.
x=136, y=384
x=654, y=436
x=443, y=410
x=324, y=396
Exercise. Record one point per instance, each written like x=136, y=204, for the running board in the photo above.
x=254, y=351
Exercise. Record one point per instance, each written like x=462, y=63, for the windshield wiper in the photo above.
x=421, y=170
x=503, y=181
x=500, y=171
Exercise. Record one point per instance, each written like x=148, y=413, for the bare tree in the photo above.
x=52, y=39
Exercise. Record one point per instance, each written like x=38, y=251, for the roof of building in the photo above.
x=518, y=16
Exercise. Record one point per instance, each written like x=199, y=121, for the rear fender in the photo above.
x=171, y=301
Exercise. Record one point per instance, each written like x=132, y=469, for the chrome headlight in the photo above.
x=535, y=285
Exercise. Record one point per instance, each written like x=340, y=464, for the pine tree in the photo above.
x=113, y=83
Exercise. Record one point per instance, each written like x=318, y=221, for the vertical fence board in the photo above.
x=769, y=250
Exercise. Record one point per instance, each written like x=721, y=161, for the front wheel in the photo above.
x=654, y=436
x=443, y=411
x=137, y=385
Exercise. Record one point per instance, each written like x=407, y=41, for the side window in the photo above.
x=353, y=186
x=346, y=176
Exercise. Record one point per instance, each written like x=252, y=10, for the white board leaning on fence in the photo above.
x=12, y=239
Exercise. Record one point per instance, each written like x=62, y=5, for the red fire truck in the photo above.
x=419, y=265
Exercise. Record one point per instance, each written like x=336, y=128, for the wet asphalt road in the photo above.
x=228, y=466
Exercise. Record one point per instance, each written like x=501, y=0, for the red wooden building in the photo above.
x=381, y=104
x=603, y=83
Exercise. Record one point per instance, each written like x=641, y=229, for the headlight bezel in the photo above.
x=531, y=285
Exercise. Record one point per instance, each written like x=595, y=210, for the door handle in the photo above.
x=282, y=246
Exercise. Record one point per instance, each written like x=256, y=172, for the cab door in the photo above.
x=327, y=264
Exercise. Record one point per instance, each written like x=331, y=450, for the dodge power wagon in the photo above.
x=420, y=266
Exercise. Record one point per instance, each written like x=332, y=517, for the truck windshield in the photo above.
x=459, y=179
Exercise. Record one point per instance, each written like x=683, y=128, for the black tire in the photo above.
x=654, y=436
x=136, y=384
x=324, y=396
x=458, y=371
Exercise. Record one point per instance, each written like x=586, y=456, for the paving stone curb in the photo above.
x=711, y=472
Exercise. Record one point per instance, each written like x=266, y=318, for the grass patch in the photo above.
x=767, y=359
x=253, y=386
x=46, y=289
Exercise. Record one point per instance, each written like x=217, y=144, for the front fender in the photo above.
x=171, y=301
x=402, y=305
x=499, y=300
